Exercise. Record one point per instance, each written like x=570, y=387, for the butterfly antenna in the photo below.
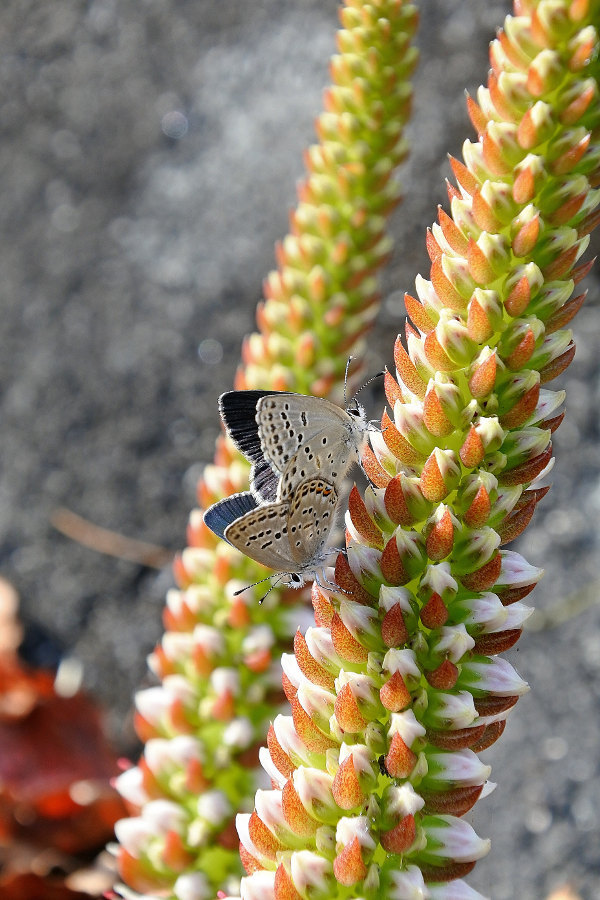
x=379, y=374
x=350, y=358
x=274, y=585
x=262, y=580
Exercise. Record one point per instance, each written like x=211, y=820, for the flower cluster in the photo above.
x=399, y=685
x=218, y=660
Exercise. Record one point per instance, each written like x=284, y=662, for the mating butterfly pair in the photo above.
x=300, y=448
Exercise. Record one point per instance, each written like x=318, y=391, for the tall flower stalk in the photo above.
x=400, y=684
x=218, y=660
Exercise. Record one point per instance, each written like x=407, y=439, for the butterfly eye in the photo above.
x=295, y=578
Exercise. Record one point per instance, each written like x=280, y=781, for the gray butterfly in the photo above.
x=289, y=536
x=290, y=437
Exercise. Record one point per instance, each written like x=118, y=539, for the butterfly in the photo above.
x=289, y=437
x=289, y=536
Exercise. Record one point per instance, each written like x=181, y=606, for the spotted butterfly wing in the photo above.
x=311, y=517
x=287, y=537
x=289, y=437
x=287, y=422
x=238, y=412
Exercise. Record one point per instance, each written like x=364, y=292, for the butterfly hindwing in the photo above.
x=321, y=456
x=310, y=519
x=262, y=534
x=221, y=514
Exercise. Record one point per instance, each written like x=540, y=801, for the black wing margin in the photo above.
x=221, y=514
x=238, y=411
x=264, y=482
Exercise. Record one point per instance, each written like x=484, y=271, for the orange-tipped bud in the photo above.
x=249, y=863
x=439, y=475
x=518, y=300
x=311, y=736
x=479, y=510
x=373, y=468
x=345, y=643
x=464, y=177
x=362, y=521
x=444, y=677
x=392, y=389
x=580, y=103
x=480, y=268
x=484, y=215
x=394, y=694
x=347, y=711
x=449, y=296
x=524, y=186
x=483, y=379
x=397, y=443
x=223, y=707
x=281, y=760
x=434, y=415
x=456, y=239
x=348, y=866
x=570, y=157
x=346, y=789
x=493, y=155
x=400, y=759
x=283, y=887
x=520, y=356
x=433, y=248
x=526, y=237
x=476, y=115
x=536, y=126
x=407, y=371
x=323, y=609
x=295, y=813
x=309, y=666
x=434, y=614
x=522, y=409
x=418, y=314
x=567, y=210
x=392, y=566
x=582, y=48
x=263, y=839
x=395, y=503
x=436, y=355
x=440, y=539
x=545, y=71
x=347, y=580
x=485, y=577
x=401, y=837
x=394, y=632
x=174, y=853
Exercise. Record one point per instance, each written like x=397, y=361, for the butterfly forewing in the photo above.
x=287, y=422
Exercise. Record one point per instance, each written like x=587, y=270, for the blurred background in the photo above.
x=148, y=161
